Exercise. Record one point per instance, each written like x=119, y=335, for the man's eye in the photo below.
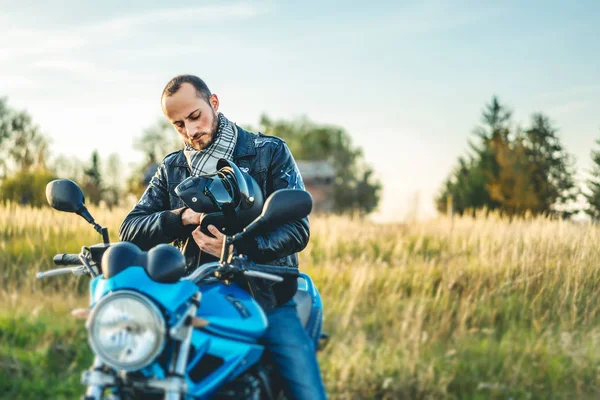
x=179, y=125
x=195, y=117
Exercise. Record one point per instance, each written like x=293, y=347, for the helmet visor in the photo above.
x=219, y=192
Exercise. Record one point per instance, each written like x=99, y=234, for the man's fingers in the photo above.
x=197, y=233
x=207, y=243
x=213, y=229
x=200, y=237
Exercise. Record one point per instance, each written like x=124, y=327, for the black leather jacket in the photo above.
x=156, y=217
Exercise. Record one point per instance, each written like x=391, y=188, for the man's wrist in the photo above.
x=172, y=223
x=182, y=218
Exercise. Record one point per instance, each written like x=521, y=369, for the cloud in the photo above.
x=205, y=14
x=27, y=52
x=20, y=42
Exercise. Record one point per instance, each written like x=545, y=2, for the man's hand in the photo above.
x=208, y=244
x=190, y=217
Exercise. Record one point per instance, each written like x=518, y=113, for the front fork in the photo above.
x=96, y=380
x=174, y=385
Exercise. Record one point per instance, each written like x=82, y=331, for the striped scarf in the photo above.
x=204, y=162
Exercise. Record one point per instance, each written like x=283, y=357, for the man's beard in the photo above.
x=213, y=134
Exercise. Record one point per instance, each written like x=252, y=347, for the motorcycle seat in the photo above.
x=303, y=306
x=163, y=263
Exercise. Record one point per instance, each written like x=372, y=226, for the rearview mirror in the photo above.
x=282, y=206
x=64, y=195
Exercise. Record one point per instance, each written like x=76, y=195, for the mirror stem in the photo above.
x=105, y=238
x=236, y=237
x=226, y=249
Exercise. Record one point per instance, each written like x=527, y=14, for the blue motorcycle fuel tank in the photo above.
x=232, y=312
x=170, y=296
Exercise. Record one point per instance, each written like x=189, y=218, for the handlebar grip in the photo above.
x=271, y=269
x=66, y=259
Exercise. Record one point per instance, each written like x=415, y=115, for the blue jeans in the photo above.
x=292, y=352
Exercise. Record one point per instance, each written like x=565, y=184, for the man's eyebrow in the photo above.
x=192, y=113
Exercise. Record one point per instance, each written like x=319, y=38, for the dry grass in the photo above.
x=469, y=308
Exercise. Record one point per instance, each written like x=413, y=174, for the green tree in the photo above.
x=465, y=186
x=22, y=145
x=158, y=140
x=155, y=142
x=23, y=158
x=355, y=187
x=552, y=168
x=113, y=180
x=593, y=184
x=93, y=187
x=512, y=170
x=494, y=135
x=469, y=183
x=27, y=187
x=68, y=167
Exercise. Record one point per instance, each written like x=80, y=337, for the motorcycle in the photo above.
x=159, y=333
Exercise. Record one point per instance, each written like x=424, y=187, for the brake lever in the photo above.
x=229, y=272
x=264, y=275
x=77, y=271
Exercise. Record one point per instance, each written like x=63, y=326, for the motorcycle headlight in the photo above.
x=126, y=330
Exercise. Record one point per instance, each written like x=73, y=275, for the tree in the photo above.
x=68, y=167
x=466, y=186
x=113, y=178
x=27, y=187
x=355, y=187
x=469, y=183
x=552, y=168
x=593, y=197
x=155, y=143
x=512, y=170
x=494, y=135
x=92, y=186
x=23, y=157
x=513, y=187
x=22, y=145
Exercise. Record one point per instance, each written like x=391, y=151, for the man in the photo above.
x=161, y=217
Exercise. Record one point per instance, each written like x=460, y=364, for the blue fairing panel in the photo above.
x=315, y=321
x=216, y=361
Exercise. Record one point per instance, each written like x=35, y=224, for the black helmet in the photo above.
x=229, y=199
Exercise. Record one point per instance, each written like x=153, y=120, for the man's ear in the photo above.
x=214, y=102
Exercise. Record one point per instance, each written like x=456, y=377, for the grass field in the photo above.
x=471, y=308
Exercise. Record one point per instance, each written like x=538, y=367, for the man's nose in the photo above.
x=191, y=129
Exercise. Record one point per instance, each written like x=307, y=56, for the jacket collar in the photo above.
x=244, y=147
x=245, y=144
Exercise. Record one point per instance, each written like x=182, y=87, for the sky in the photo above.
x=407, y=80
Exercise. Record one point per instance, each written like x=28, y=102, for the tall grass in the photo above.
x=466, y=308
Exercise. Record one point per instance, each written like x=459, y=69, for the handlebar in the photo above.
x=246, y=268
x=66, y=259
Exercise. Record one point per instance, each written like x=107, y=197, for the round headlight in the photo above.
x=126, y=330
